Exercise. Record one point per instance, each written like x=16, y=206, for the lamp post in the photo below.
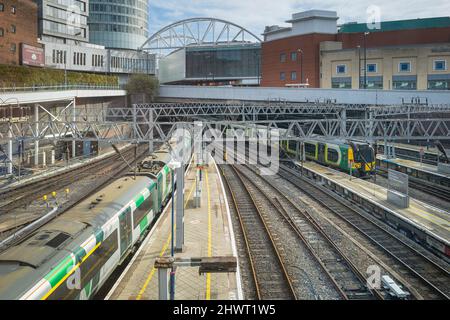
x=359, y=67
x=173, y=165
x=301, y=64
x=365, y=61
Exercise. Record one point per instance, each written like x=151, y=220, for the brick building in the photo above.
x=315, y=44
x=18, y=25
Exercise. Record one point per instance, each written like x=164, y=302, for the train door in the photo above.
x=321, y=152
x=87, y=149
x=125, y=231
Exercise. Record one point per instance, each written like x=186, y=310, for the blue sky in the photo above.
x=256, y=14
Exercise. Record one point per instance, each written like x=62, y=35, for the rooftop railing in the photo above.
x=60, y=87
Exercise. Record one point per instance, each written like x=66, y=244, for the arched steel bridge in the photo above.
x=198, y=32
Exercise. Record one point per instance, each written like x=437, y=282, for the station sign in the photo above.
x=398, y=181
x=32, y=56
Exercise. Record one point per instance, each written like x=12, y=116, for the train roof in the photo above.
x=28, y=261
x=336, y=140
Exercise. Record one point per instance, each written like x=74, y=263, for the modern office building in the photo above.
x=237, y=64
x=118, y=24
x=63, y=21
x=18, y=33
x=316, y=52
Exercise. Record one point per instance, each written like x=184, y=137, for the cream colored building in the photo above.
x=418, y=67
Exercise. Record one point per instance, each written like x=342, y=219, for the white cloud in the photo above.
x=256, y=14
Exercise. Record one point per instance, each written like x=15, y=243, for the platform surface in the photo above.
x=207, y=233
x=431, y=150
x=432, y=219
x=428, y=168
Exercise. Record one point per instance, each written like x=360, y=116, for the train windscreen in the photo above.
x=365, y=154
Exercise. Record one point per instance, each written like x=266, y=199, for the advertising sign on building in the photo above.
x=32, y=56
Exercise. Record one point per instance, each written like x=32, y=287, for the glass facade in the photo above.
x=121, y=24
x=227, y=62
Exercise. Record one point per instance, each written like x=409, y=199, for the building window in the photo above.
x=13, y=28
x=439, y=65
x=294, y=75
x=13, y=47
x=341, y=83
x=443, y=84
x=13, y=9
x=294, y=56
x=283, y=57
x=282, y=76
x=404, y=67
x=372, y=67
x=404, y=85
x=2, y=32
x=2, y=7
x=341, y=68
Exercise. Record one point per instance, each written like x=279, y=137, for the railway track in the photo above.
x=268, y=270
x=106, y=169
x=441, y=192
x=24, y=194
x=428, y=277
x=347, y=279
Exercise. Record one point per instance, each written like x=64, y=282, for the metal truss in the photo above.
x=156, y=122
x=256, y=111
x=198, y=32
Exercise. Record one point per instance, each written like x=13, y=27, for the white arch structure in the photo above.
x=198, y=32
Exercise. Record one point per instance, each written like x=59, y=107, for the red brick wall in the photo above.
x=397, y=37
x=310, y=44
x=271, y=65
x=26, y=23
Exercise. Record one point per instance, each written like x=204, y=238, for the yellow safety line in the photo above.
x=208, y=275
x=70, y=273
x=152, y=272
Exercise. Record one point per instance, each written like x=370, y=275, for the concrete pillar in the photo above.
x=52, y=160
x=44, y=160
x=343, y=123
x=180, y=210
x=163, y=284
x=74, y=119
x=10, y=153
x=150, y=123
x=36, y=128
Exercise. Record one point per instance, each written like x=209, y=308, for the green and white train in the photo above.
x=72, y=256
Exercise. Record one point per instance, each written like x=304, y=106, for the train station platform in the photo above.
x=423, y=222
x=411, y=166
x=208, y=232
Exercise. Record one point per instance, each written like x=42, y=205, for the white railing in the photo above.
x=60, y=87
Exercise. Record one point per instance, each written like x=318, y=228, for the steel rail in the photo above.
x=437, y=287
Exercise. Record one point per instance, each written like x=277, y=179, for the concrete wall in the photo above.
x=387, y=60
x=383, y=97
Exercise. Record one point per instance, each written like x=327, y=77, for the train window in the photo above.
x=88, y=269
x=310, y=149
x=292, y=145
x=332, y=155
x=169, y=180
x=142, y=210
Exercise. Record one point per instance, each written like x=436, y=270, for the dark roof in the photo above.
x=440, y=22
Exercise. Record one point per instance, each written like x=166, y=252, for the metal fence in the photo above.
x=61, y=87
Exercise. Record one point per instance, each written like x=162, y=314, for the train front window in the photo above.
x=364, y=154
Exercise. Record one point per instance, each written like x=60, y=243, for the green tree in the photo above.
x=142, y=87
